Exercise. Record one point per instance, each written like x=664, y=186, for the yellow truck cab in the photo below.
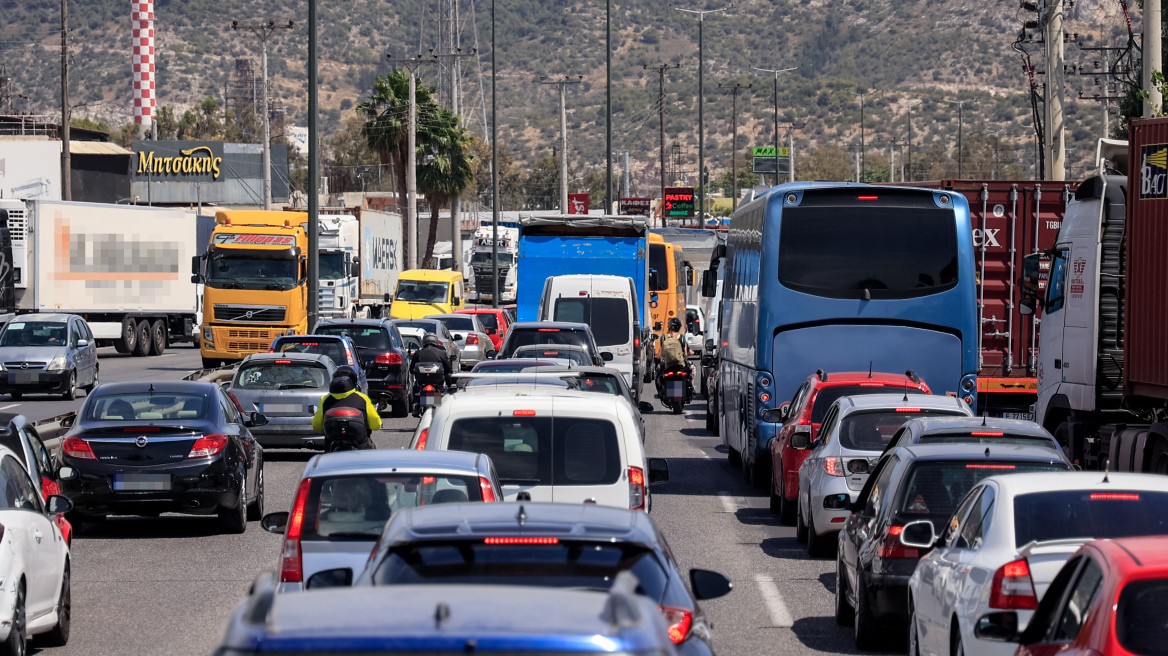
x=254, y=275
x=422, y=292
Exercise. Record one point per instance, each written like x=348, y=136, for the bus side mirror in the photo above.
x=689, y=277
x=709, y=283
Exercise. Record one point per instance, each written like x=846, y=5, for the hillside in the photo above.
x=928, y=50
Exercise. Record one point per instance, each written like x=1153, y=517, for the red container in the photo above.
x=1145, y=349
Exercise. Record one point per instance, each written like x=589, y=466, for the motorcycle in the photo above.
x=429, y=380
x=674, y=388
x=345, y=430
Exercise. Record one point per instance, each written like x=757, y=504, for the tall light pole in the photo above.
x=1153, y=57
x=563, y=83
x=313, y=171
x=264, y=31
x=734, y=90
x=494, y=172
x=960, y=125
x=908, y=105
x=607, y=107
x=776, y=101
x=661, y=124
x=863, y=164
x=701, y=13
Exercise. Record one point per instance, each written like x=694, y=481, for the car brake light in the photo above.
x=871, y=384
x=679, y=622
x=472, y=339
x=523, y=413
x=908, y=409
x=486, y=490
x=283, y=362
x=309, y=343
x=636, y=488
x=388, y=358
x=75, y=447
x=833, y=467
x=891, y=546
x=1112, y=496
x=208, y=445
x=521, y=540
x=235, y=401
x=989, y=466
x=867, y=197
x=291, y=567
x=987, y=434
x=421, y=445
x=549, y=330
x=1013, y=588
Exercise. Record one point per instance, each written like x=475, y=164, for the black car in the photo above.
x=530, y=333
x=154, y=447
x=910, y=483
x=384, y=356
x=542, y=544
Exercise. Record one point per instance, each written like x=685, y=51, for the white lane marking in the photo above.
x=777, y=610
x=703, y=452
x=728, y=503
x=10, y=406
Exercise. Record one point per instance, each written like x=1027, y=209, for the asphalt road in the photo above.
x=167, y=585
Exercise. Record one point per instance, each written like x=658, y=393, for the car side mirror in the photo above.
x=801, y=438
x=919, y=534
x=707, y=584
x=340, y=577
x=58, y=505
x=276, y=522
x=658, y=470
x=256, y=419
x=67, y=473
x=997, y=627
x=772, y=415
x=606, y=356
x=67, y=421
x=644, y=407
x=82, y=343
x=492, y=354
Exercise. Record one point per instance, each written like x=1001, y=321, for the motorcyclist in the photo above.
x=432, y=351
x=343, y=393
x=674, y=350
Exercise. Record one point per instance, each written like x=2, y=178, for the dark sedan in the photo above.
x=149, y=448
x=384, y=356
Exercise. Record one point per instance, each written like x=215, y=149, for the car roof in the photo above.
x=159, y=386
x=439, y=317
x=41, y=317
x=562, y=325
x=351, y=322
x=295, y=357
x=1079, y=480
x=313, y=336
x=1019, y=452
x=835, y=378
x=480, y=311
x=467, y=520
x=945, y=424
x=430, y=275
x=567, y=347
x=530, y=362
x=490, y=398
x=356, y=462
x=877, y=401
x=398, y=322
x=608, y=371
x=1132, y=555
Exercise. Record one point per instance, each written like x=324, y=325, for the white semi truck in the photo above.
x=360, y=259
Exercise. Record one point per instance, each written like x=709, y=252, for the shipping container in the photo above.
x=1146, y=309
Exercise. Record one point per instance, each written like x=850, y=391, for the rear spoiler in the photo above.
x=1058, y=545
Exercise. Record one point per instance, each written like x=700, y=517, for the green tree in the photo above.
x=446, y=168
x=542, y=185
x=827, y=163
x=347, y=156
x=386, y=116
x=167, y=123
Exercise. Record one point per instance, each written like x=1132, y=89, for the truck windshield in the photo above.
x=421, y=291
x=485, y=258
x=332, y=266
x=243, y=271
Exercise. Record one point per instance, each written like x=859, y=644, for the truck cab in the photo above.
x=338, y=248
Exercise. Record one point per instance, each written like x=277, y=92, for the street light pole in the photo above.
x=863, y=163
x=607, y=106
x=908, y=159
x=701, y=13
x=263, y=31
x=960, y=124
x=563, y=83
x=494, y=173
x=776, y=108
x=313, y=185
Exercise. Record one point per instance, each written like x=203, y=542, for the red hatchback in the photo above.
x=1110, y=598
x=805, y=412
x=495, y=320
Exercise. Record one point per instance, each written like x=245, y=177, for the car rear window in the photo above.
x=599, y=384
x=334, y=350
x=575, y=355
x=562, y=451
x=357, y=507
x=828, y=395
x=489, y=367
x=281, y=374
x=488, y=320
x=871, y=431
x=459, y=323
x=987, y=436
x=533, y=336
x=935, y=488
x=365, y=337
x=136, y=407
x=1139, y=618
x=1089, y=514
x=562, y=564
x=607, y=317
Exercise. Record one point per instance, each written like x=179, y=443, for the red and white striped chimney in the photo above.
x=142, y=25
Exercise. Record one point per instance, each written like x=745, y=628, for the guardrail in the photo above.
x=215, y=375
x=52, y=429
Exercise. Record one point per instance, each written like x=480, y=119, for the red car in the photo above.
x=17, y=433
x=1110, y=598
x=495, y=320
x=805, y=412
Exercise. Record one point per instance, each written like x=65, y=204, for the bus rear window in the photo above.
x=891, y=252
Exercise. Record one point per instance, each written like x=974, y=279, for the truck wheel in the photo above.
x=1158, y=464
x=158, y=337
x=142, y=348
x=129, y=338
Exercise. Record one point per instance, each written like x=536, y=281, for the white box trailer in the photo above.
x=122, y=268
x=380, y=261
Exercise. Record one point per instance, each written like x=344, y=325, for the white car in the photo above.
x=1005, y=544
x=853, y=434
x=34, y=560
x=553, y=444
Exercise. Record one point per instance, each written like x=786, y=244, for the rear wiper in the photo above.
x=295, y=386
x=354, y=535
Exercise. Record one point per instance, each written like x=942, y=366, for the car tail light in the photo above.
x=75, y=447
x=987, y=434
x=636, y=488
x=486, y=490
x=548, y=330
x=679, y=621
x=208, y=445
x=891, y=546
x=472, y=339
x=421, y=445
x=973, y=466
x=236, y=402
x=871, y=384
x=291, y=567
x=1113, y=496
x=833, y=466
x=388, y=358
x=523, y=413
x=521, y=540
x=1013, y=588
x=636, y=342
x=283, y=362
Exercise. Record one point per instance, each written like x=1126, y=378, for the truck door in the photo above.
x=1050, y=356
x=1081, y=271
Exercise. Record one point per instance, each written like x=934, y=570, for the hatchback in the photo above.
x=541, y=333
x=286, y=388
x=19, y=434
x=973, y=430
x=471, y=338
x=438, y=329
x=496, y=322
x=47, y=354
x=384, y=356
x=570, y=355
x=339, y=348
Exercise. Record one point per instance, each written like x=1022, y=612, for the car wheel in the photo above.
x=844, y=614
x=817, y=545
x=733, y=457
x=914, y=645
x=234, y=520
x=800, y=525
x=399, y=409
x=70, y=392
x=145, y=336
x=867, y=633
x=128, y=341
x=255, y=509
x=59, y=635
x=17, y=642
x=956, y=646
x=158, y=337
x=96, y=380
x=15, y=396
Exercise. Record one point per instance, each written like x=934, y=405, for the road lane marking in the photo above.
x=776, y=609
x=10, y=406
x=728, y=503
x=703, y=452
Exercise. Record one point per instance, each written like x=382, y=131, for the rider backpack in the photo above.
x=672, y=352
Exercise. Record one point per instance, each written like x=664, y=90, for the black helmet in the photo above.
x=430, y=339
x=344, y=379
x=674, y=324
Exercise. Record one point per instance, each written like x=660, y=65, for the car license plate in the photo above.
x=141, y=482
x=675, y=389
x=23, y=377
x=429, y=399
x=286, y=408
x=1024, y=416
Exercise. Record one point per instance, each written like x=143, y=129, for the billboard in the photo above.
x=678, y=202
x=30, y=169
x=206, y=172
x=764, y=159
x=577, y=203
x=635, y=206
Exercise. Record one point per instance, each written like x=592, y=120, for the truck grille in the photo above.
x=483, y=284
x=250, y=313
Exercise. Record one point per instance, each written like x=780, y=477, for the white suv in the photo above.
x=553, y=444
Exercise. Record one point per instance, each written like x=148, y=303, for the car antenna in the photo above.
x=987, y=452
x=521, y=517
x=905, y=399
x=1106, y=471
x=983, y=418
x=441, y=614
x=151, y=390
x=869, y=369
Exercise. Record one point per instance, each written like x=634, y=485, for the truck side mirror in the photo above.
x=195, y=262
x=709, y=283
x=355, y=269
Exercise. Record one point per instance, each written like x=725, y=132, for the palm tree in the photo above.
x=446, y=166
x=386, y=114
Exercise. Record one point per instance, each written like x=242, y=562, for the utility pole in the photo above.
x=411, y=65
x=265, y=31
x=734, y=91
x=66, y=158
x=627, y=181
x=1153, y=57
x=701, y=108
x=960, y=124
x=892, y=160
x=494, y=172
x=1052, y=14
x=313, y=186
x=791, y=152
x=661, y=68
x=908, y=104
x=456, y=107
x=863, y=164
x=607, y=106
x=563, y=83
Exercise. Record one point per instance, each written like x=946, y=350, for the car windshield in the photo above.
x=935, y=488
x=246, y=272
x=1139, y=617
x=332, y=266
x=458, y=323
x=357, y=507
x=531, y=336
x=331, y=348
x=147, y=405
x=1089, y=514
x=607, y=317
x=561, y=564
x=421, y=291
x=828, y=395
x=364, y=337
x=576, y=356
x=542, y=450
x=35, y=333
x=987, y=436
x=281, y=374
x=871, y=431
x=488, y=320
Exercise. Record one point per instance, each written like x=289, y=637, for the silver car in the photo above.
x=286, y=388
x=47, y=354
x=345, y=499
x=851, y=439
x=474, y=344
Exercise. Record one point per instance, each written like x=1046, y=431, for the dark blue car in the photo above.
x=339, y=348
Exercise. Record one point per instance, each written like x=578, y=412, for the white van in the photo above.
x=610, y=307
x=557, y=445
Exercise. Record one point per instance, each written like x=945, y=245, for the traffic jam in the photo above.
x=862, y=418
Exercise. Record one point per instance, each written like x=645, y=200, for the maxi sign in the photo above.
x=678, y=202
x=764, y=159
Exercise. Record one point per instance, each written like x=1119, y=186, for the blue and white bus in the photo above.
x=841, y=277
